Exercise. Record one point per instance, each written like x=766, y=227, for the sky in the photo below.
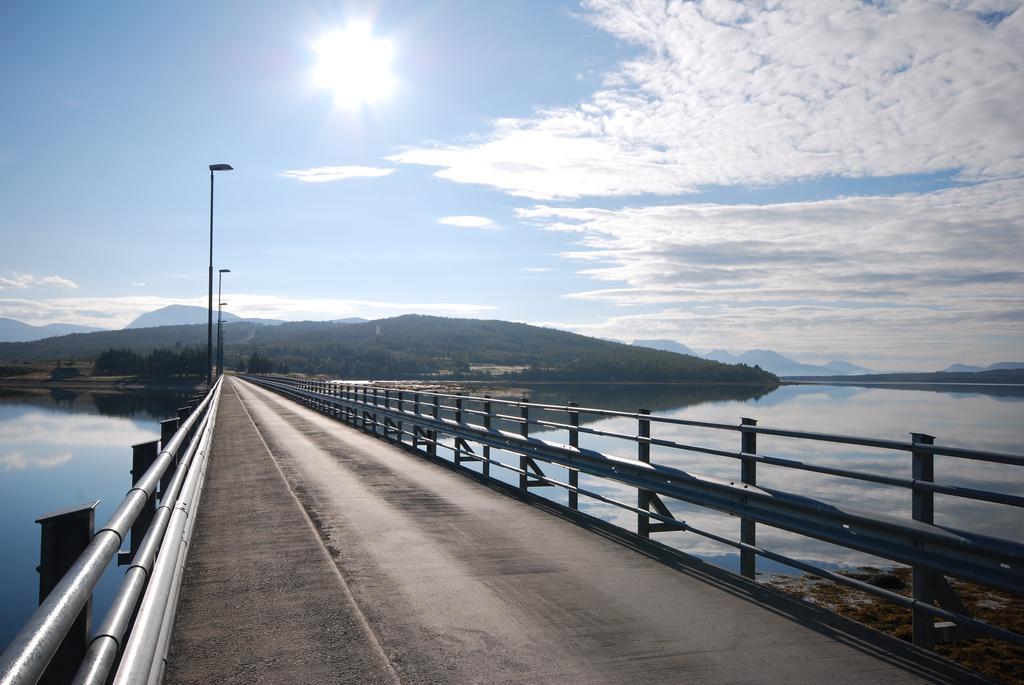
x=827, y=180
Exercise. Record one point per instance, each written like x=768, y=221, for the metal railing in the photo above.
x=164, y=474
x=427, y=421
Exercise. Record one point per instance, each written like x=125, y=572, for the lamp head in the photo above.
x=221, y=167
x=225, y=271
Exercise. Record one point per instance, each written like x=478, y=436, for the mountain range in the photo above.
x=12, y=330
x=998, y=366
x=768, y=360
x=410, y=346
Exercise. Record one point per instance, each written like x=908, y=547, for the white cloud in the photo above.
x=335, y=173
x=537, y=269
x=116, y=312
x=733, y=93
x=915, y=278
x=23, y=281
x=469, y=222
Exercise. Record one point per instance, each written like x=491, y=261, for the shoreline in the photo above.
x=1001, y=661
x=869, y=384
x=98, y=384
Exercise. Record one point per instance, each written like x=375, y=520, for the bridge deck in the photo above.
x=325, y=555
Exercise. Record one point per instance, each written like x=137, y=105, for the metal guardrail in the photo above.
x=29, y=655
x=419, y=420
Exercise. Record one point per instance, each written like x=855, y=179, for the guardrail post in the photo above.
x=748, y=475
x=365, y=413
x=485, y=465
x=401, y=410
x=924, y=582
x=524, y=430
x=435, y=411
x=376, y=404
x=167, y=430
x=643, y=454
x=64, y=536
x=574, y=441
x=387, y=405
x=143, y=456
x=458, y=419
x=364, y=421
x=416, y=430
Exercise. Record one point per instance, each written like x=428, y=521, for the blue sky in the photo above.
x=836, y=179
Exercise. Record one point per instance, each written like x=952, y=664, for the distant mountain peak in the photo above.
x=845, y=367
x=187, y=315
x=175, y=315
x=665, y=345
x=720, y=355
x=781, y=365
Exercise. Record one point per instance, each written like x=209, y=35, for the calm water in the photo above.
x=968, y=419
x=59, y=450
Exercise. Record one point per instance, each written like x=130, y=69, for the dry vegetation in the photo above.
x=996, y=659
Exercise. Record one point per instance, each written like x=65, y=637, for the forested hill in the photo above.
x=412, y=346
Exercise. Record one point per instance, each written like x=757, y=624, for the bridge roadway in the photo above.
x=324, y=555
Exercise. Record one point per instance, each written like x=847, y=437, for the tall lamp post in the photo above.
x=209, y=318
x=220, y=321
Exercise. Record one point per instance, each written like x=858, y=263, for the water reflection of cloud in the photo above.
x=43, y=428
x=18, y=461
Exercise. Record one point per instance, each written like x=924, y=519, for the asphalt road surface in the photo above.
x=325, y=555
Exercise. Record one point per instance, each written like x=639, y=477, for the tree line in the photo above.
x=188, y=362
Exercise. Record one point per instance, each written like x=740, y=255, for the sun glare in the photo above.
x=354, y=65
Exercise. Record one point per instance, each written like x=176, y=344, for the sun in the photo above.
x=354, y=65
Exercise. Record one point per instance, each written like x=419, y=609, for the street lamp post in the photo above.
x=209, y=318
x=220, y=321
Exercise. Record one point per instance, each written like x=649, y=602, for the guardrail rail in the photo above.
x=55, y=645
x=471, y=427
